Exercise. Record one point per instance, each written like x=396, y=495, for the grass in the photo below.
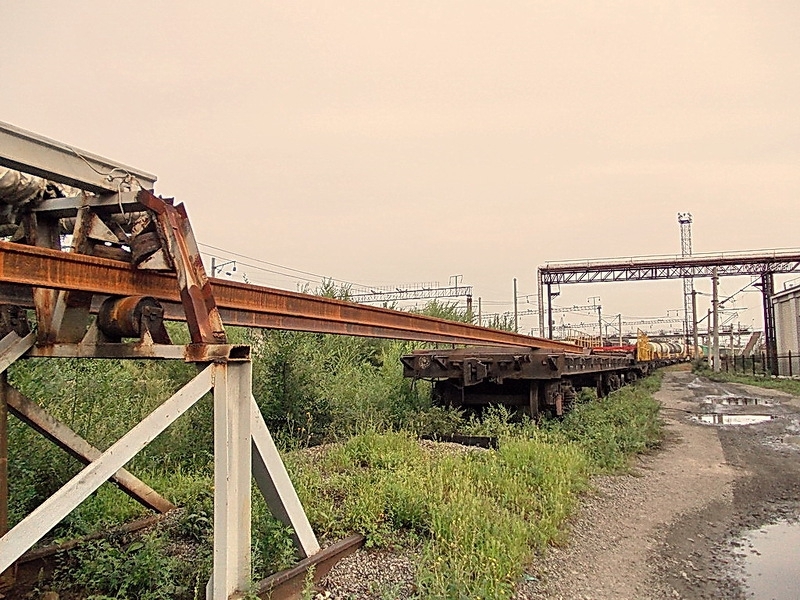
x=473, y=518
x=476, y=518
x=790, y=386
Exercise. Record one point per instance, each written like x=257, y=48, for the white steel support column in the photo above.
x=33, y=527
x=232, y=468
x=276, y=487
x=12, y=346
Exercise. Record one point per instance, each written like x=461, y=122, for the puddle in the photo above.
x=736, y=401
x=716, y=419
x=696, y=384
x=770, y=561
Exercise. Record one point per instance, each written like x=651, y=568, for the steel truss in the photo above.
x=646, y=269
x=762, y=264
x=413, y=292
x=161, y=239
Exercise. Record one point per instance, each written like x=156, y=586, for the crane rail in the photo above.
x=245, y=304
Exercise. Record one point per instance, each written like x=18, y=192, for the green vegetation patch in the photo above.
x=475, y=516
x=790, y=386
x=612, y=429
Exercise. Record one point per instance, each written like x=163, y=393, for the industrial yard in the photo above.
x=372, y=300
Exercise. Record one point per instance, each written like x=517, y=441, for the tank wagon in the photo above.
x=532, y=379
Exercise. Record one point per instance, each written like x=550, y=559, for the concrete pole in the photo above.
x=600, y=323
x=619, y=324
x=549, y=311
x=732, y=353
x=715, y=317
x=480, y=314
x=695, y=349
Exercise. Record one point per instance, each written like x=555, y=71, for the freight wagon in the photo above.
x=533, y=380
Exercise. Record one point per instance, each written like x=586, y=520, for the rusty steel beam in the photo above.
x=248, y=305
x=197, y=298
x=291, y=583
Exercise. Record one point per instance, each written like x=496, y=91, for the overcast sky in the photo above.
x=386, y=142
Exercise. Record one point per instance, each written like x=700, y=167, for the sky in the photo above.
x=383, y=143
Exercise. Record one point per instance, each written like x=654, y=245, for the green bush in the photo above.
x=611, y=429
x=125, y=567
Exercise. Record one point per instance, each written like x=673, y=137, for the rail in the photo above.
x=244, y=304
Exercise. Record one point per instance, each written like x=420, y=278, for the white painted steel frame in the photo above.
x=231, y=572
x=48, y=514
x=242, y=445
x=12, y=347
x=276, y=487
x=35, y=154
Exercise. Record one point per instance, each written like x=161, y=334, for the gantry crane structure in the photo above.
x=132, y=263
x=762, y=264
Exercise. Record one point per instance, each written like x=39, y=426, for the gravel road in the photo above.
x=670, y=529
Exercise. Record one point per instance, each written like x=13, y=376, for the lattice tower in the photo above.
x=685, y=222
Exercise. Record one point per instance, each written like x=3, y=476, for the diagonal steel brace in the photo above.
x=202, y=315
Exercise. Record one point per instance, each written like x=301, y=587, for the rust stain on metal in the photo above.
x=216, y=352
x=202, y=316
x=248, y=305
x=122, y=317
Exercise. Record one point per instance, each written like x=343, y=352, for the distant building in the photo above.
x=787, y=328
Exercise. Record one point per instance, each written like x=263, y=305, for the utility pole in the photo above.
x=516, y=313
x=619, y=325
x=594, y=299
x=600, y=323
x=715, y=317
x=696, y=349
x=480, y=314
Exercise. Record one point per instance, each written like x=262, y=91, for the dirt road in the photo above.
x=671, y=530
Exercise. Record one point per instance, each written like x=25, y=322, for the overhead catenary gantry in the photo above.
x=132, y=263
x=762, y=264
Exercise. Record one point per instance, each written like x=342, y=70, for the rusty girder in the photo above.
x=244, y=304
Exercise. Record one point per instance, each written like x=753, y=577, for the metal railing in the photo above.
x=759, y=364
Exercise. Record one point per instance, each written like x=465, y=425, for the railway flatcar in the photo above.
x=533, y=380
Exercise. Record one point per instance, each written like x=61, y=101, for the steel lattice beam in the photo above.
x=644, y=269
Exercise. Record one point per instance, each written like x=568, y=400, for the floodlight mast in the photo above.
x=685, y=222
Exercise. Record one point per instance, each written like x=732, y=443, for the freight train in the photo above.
x=534, y=380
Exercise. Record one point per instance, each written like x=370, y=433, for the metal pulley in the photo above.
x=130, y=317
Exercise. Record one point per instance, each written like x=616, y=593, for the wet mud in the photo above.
x=745, y=547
